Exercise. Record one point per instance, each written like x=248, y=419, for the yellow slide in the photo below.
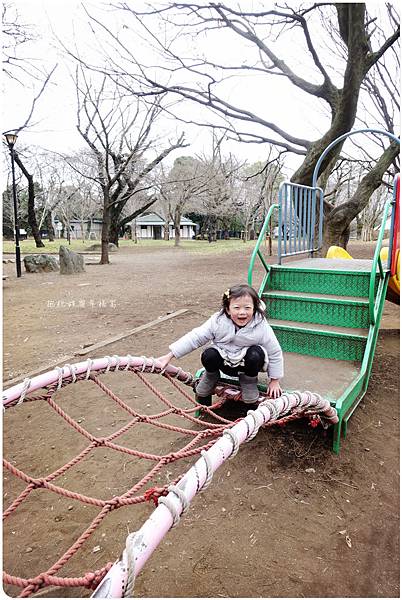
x=337, y=252
x=393, y=291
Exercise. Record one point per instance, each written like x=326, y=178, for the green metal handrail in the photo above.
x=374, y=303
x=260, y=239
x=359, y=386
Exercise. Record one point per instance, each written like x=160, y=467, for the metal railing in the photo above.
x=394, y=219
x=257, y=252
x=300, y=219
x=374, y=300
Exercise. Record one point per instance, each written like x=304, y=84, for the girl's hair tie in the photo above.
x=227, y=293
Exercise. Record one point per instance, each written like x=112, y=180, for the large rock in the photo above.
x=98, y=247
x=40, y=263
x=70, y=262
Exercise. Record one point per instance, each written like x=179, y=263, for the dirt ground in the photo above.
x=284, y=518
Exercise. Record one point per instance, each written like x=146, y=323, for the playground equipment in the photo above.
x=326, y=312
x=394, y=286
x=393, y=256
x=172, y=499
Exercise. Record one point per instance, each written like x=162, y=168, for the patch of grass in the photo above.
x=193, y=246
x=219, y=247
x=28, y=246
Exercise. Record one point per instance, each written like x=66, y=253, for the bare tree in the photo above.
x=164, y=198
x=15, y=34
x=222, y=190
x=85, y=203
x=49, y=173
x=21, y=70
x=340, y=217
x=53, y=177
x=187, y=182
x=118, y=132
x=8, y=208
x=372, y=213
x=31, y=201
x=380, y=109
x=201, y=80
x=261, y=182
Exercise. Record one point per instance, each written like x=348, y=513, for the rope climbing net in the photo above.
x=214, y=441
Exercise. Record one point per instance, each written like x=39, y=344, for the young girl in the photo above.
x=242, y=345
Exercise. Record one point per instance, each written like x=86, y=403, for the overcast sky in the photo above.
x=55, y=115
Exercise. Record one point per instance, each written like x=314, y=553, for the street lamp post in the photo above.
x=11, y=138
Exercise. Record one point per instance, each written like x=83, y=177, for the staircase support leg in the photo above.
x=336, y=440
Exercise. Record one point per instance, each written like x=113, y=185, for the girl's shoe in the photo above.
x=204, y=400
x=249, y=389
x=206, y=384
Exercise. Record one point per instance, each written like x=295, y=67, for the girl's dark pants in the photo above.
x=253, y=362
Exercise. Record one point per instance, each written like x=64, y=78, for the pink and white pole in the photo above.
x=119, y=582
x=98, y=364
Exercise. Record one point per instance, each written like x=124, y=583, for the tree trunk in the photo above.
x=105, y=228
x=49, y=226
x=177, y=219
x=31, y=214
x=166, y=231
x=246, y=229
x=269, y=239
x=82, y=230
x=351, y=18
x=117, y=222
x=367, y=233
x=338, y=220
x=335, y=237
x=114, y=212
x=88, y=231
x=31, y=203
x=114, y=232
x=212, y=224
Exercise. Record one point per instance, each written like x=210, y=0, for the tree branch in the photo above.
x=375, y=56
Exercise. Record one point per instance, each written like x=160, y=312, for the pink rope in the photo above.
x=131, y=497
x=298, y=406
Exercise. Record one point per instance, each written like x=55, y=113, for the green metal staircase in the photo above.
x=320, y=309
x=325, y=313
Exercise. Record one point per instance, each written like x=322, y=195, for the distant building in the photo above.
x=151, y=227
x=92, y=229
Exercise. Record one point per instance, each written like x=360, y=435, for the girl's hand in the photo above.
x=165, y=360
x=274, y=389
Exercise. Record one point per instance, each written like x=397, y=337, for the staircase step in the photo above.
x=339, y=343
x=324, y=376
x=331, y=264
x=323, y=276
x=318, y=327
x=286, y=293
x=312, y=309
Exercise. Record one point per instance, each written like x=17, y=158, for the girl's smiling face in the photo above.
x=241, y=310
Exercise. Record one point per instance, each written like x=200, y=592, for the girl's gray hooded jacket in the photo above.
x=232, y=342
